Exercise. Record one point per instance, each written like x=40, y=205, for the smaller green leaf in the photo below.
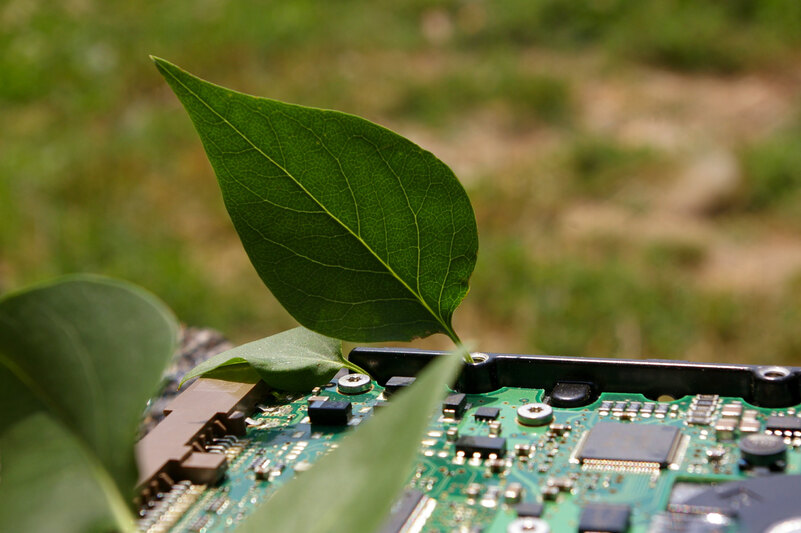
x=354, y=486
x=294, y=360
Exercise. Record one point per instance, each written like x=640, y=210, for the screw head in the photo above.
x=354, y=384
x=535, y=414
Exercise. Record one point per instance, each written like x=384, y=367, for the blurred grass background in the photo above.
x=635, y=166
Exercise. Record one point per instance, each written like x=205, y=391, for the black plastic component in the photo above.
x=455, y=404
x=487, y=413
x=763, y=450
x=783, y=423
x=484, y=446
x=605, y=518
x=396, y=383
x=642, y=443
x=760, y=386
x=330, y=413
x=401, y=511
x=529, y=509
x=566, y=394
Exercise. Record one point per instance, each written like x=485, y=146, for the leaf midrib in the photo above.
x=449, y=331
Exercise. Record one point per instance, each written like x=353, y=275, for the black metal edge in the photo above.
x=764, y=386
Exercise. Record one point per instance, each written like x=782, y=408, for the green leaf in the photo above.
x=359, y=233
x=353, y=487
x=294, y=360
x=49, y=483
x=83, y=353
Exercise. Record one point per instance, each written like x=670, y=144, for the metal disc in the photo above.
x=535, y=414
x=354, y=384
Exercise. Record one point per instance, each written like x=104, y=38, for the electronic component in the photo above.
x=749, y=422
x=601, y=517
x=763, y=450
x=483, y=446
x=410, y=513
x=533, y=509
x=396, y=383
x=784, y=425
x=702, y=409
x=454, y=405
x=487, y=413
x=174, y=450
x=330, y=413
x=513, y=493
x=616, y=442
x=725, y=428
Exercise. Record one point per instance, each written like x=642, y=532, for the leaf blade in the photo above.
x=68, y=347
x=359, y=233
x=358, y=459
x=294, y=360
x=44, y=462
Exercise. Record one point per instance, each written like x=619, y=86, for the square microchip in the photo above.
x=641, y=443
x=487, y=413
x=604, y=518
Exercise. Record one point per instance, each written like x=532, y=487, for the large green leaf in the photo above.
x=353, y=487
x=49, y=483
x=84, y=353
x=360, y=234
x=294, y=360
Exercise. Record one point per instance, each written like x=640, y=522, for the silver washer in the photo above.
x=528, y=525
x=535, y=414
x=353, y=384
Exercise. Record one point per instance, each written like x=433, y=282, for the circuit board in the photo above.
x=517, y=459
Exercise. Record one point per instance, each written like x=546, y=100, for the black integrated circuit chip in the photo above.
x=783, y=423
x=330, y=413
x=454, y=405
x=484, y=446
x=529, y=509
x=487, y=413
x=601, y=517
x=396, y=383
x=641, y=443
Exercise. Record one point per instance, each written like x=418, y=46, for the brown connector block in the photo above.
x=174, y=450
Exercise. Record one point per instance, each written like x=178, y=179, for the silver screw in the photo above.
x=535, y=414
x=354, y=384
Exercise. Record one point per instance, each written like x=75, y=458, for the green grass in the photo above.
x=772, y=175
x=519, y=97
x=569, y=306
x=600, y=166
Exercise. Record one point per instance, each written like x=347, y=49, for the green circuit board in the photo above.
x=483, y=468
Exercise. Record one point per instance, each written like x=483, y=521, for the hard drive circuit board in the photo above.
x=510, y=460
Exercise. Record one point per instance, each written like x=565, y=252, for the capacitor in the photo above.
x=759, y=449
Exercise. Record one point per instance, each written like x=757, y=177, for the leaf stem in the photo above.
x=460, y=346
x=355, y=368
